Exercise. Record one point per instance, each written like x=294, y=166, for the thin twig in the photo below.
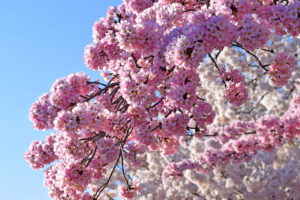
x=214, y=135
x=154, y=105
x=194, y=193
x=115, y=76
x=216, y=65
x=217, y=55
x=291, y=91
x=158, y=126
x=250, y=133
x=236, y=44
x=96, y=82
x=103, y=186
x=123, y=171
x=252, y=107
x=135, y=61
x=214, y=61
x=268, y=50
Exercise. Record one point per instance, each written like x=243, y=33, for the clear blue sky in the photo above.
x=40, y=41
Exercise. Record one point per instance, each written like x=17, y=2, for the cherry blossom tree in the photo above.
x=201, y=101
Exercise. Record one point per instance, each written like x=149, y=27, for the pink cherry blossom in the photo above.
x=188, y=92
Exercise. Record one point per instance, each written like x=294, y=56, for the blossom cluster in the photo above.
x=264, y=134
x=281, y=68
x=271, y=174
x=41, y=153
x=67, y=91
x=42, y=113
x=236, y=93
x=168, y=65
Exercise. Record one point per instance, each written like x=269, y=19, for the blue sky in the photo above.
x=40, y=41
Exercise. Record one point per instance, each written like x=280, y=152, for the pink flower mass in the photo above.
x=193, y=88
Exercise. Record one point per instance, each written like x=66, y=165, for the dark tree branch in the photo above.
x=158, y=126
x=135, y=61
x=170, y=70
x=194, y=193
x=104, y=185
x=96, y=82
x=291, y=91
x=100, y=91
x=123, y=171
x=216, y=65
x=236, y=44
x=217, y=55
x=214, y=135
x=115, y=76
x=154, y=105
x=252, y=107
x=268, y=50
